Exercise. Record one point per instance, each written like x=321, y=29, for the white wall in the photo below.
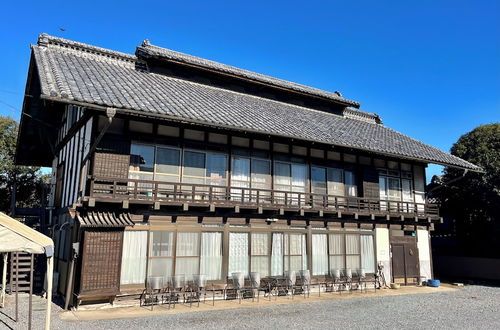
x=424, y=253
x=384, y=251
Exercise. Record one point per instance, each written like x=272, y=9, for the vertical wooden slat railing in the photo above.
x=200, y=193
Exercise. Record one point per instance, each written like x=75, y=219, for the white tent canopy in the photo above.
x=17, y=237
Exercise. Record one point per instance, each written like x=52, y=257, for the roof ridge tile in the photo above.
x=45, y=40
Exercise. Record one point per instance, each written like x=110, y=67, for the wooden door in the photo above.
x=398, y=262
x=405, y=263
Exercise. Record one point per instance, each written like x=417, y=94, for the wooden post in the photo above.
x=17, y=288
x=4, y=279
x=50, y=270
x=30, y=306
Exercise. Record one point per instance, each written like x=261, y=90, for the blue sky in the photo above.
x=431, y=69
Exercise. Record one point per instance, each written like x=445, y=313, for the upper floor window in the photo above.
x=395, y=185
x=290, y=177
x=204, y=168
x=333, y=181
x=154, y=163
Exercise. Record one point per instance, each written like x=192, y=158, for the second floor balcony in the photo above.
x=160, y=193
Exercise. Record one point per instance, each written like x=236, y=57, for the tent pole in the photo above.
x=17, y=286
x=50, y=270
x=30, y=308
x=4, y=278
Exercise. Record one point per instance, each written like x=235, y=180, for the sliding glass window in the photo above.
x=194, y=253
x=205, y=168
x=250, y=173
x=295, y=255
x=187, y=255
x=290, y=177
x=238, y=253
x=259, y=258
x=353, y=251
x=154, y=163
x=161, y=256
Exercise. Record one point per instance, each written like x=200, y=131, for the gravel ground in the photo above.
x=471, y=307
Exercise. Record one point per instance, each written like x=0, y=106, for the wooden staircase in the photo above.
x=23, y=260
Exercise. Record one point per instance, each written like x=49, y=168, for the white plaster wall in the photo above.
x=384, y=251
x=424, y=253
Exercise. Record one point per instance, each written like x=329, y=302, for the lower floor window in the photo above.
x=268, y=253
x=342, y=251
x=195, y=253
x=134, y=257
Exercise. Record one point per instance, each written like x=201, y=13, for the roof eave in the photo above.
x=139, y=113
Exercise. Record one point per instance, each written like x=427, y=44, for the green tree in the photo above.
x=473, y=202
x=27, y=180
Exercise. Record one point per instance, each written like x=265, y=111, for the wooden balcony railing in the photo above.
x=136, y=190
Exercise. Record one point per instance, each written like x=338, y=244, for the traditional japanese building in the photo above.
x=165, y=163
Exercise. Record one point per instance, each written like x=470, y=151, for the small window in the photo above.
x=333, y=155
x=259, y=144
x=140, y=127
x=192, y=134
x=379, y=162
x=240, y=141
x=405, y=167
x=318, y=153
x=217, y=138
x=280, y=147
x=364, y=160
x=300, y=151
x=392, y=165
x=349, y=158
x=168, y=130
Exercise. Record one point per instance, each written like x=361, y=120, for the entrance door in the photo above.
x=405, y=269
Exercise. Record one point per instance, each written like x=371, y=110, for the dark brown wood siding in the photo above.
x=112, y=157
x=101, y=263
x=370, y=183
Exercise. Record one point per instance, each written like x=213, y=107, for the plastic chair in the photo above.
x=153, y=290
x=305, y=282
x=177, y=288
x=238, y=284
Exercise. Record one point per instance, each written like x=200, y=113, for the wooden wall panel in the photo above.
x=112, y=158
x=101, y=263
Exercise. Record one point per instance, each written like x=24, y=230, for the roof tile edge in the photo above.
x=45, y=40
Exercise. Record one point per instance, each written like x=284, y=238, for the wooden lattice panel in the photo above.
x=102, y=253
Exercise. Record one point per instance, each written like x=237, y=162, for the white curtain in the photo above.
x=260, y=253
x=352, y=251
x=211, y=255
x=319, y=254
x=238, y=253
x=295, y=252
x=134, y=257
x=187, y=254
x=277, y=255
x=337, y=251
x=367, y=254
x=350, y=182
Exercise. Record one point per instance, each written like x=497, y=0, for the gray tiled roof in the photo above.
x=149, y=50
x=83, y=73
